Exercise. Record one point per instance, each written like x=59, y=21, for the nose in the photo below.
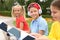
x=33, y=13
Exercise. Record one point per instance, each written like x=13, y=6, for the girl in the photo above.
x=39, y=24
x=18, y=11
x=55, y=13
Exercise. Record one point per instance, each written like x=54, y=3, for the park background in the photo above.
x=6, y=5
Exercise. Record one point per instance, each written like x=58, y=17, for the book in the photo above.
x=3, y=26
x=26, y=36
x=29, y=38
x=15, y=32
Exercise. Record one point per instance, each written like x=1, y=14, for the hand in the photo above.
x=42, y=38
x=36, y=35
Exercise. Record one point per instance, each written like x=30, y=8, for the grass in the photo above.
x=49, y=26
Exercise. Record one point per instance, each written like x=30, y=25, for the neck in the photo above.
x=36, y=17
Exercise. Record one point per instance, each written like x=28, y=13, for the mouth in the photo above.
x=54, y=18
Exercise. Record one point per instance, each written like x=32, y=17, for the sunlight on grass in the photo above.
x=49, y=26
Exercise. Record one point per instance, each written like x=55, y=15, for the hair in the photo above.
x=22, y=11
x=36, y=5
x=56, y=3
x=33, y=5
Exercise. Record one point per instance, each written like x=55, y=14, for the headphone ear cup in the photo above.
x=40, y=11
x=28, y=13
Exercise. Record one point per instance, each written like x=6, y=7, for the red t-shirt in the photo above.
x=25, y=25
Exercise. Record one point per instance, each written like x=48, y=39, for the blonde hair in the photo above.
x=22, y=11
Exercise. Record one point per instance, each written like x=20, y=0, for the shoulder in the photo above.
x=55, y=23
x=42, y=20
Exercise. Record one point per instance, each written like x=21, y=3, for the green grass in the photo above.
x=14, y=23
x=5, y=13
x=28, y=22
x=49, y=26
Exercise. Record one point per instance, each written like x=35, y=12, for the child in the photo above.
x=18, y=11
x=55, y=13
x=39, y=24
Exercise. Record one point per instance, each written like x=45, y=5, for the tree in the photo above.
x=21, y=2
x=7, y=4
x=44, y=5
x=2, y=4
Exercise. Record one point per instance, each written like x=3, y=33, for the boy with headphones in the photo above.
x=38, y=25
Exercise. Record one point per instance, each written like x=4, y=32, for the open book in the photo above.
x=14, y=32
x=26, y=36
x=29, y=38
x=19, y=34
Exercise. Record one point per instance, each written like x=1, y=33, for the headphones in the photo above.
x=36, y=5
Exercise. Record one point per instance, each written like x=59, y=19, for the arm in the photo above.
x=26, y=28
x=43, y=28
x=21, y=25
x=41, y=32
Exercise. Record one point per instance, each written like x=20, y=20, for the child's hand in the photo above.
x=36, y=35
x=42, y=38
x=39, y=36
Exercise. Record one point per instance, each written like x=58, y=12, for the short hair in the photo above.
x=34, y=4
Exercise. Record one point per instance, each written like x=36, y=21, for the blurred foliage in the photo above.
x=5, y=13
x=44, y=5
x=46, y=16
x=5, y=5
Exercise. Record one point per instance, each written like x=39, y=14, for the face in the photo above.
x=34, y=12
x=17, y=11
x=55, y=13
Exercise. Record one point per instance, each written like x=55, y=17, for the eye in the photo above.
x=18, y=10
x=35, y=11
x=31, y=11
x=13, y=10
x=54, y=12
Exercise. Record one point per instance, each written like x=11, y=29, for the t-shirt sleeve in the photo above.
x=43, y=25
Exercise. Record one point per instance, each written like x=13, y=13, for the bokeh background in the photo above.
x=6, y=5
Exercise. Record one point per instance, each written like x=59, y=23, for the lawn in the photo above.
x=49, y=26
